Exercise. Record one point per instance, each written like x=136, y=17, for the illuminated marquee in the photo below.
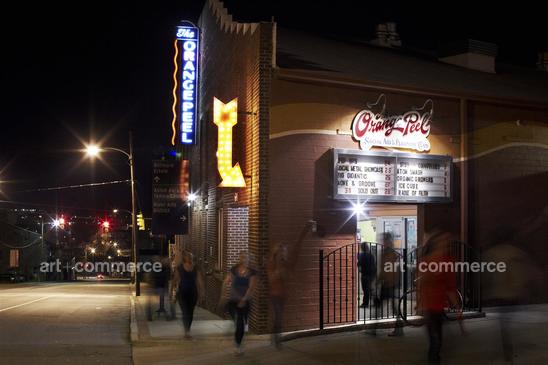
x=189, y=35
x=409, y=130
x=225, y=116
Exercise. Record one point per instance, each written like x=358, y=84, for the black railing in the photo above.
x=341, y=292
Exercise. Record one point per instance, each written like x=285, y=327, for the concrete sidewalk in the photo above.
x=161, y=328
x=481, y=344
x=205, y=325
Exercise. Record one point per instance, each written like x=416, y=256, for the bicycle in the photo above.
x=413, y=314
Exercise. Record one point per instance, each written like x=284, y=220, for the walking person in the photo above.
x=391, y=280
x=282, y=260
x=158, y=282
x=190, y=288
x=435, y=288
x=367, y=266
x=240, y=284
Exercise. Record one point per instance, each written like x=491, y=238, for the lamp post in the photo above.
x=42, y=253
x=94, y=150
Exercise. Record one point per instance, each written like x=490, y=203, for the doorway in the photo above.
x=399, y=221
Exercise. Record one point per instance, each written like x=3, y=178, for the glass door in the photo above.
x=369, y=231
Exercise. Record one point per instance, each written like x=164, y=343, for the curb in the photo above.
x=356, y=327
x=134, y=328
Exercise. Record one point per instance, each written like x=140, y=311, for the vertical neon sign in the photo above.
x=189, y=35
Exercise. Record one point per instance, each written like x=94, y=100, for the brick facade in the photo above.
x=236, y=62
x=283, y=140
x=237, y=234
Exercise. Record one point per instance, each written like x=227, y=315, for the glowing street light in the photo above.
x=192, y=197
x=119, y=252
x=92, y=150
x=58, y=222
x=114, y=211
x=92, y=250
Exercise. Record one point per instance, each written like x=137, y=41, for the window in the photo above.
x=14, y=258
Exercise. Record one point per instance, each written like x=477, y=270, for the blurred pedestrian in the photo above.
x=521, y=279
x=239, y=285
x=282, y=260
x=189, y=289
x=159, y=283
x=167, y=268
x=390, y=279
x=367, y=267
x=435, y=289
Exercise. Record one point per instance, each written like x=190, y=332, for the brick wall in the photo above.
x=300, y=186
x=237, y=224
x=236, y=62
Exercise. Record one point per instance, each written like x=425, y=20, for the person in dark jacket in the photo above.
x=240, y=284
x=367, y=267
x=159, y=283
x=189, y=289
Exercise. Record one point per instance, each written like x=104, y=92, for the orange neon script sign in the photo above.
x=225, y=116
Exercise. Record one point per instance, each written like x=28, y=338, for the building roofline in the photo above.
x=327, y=78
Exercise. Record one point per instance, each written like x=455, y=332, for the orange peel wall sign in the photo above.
x=225, y=117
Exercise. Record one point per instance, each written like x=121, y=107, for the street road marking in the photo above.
x=20, y=305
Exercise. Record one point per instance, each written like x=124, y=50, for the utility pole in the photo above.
x=134, y=217
x=42, y=253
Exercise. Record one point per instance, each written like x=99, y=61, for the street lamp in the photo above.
x=92, y=250
x=93, y=151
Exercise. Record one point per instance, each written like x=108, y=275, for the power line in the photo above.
x=17, y=228
x=75, y=186
x=56, y=206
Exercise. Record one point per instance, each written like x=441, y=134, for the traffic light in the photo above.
x=140, y=222
x=105, y=225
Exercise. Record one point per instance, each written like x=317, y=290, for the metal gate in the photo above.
x=340, y=291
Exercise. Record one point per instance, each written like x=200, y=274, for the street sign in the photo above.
x=170, y=186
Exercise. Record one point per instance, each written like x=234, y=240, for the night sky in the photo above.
x=92, y=70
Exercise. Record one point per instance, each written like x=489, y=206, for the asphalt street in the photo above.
x=88, y=323
x=65, y=323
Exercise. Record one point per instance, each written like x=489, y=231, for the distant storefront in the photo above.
x=321, y=126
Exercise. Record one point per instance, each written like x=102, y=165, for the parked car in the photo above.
x=12, y=276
